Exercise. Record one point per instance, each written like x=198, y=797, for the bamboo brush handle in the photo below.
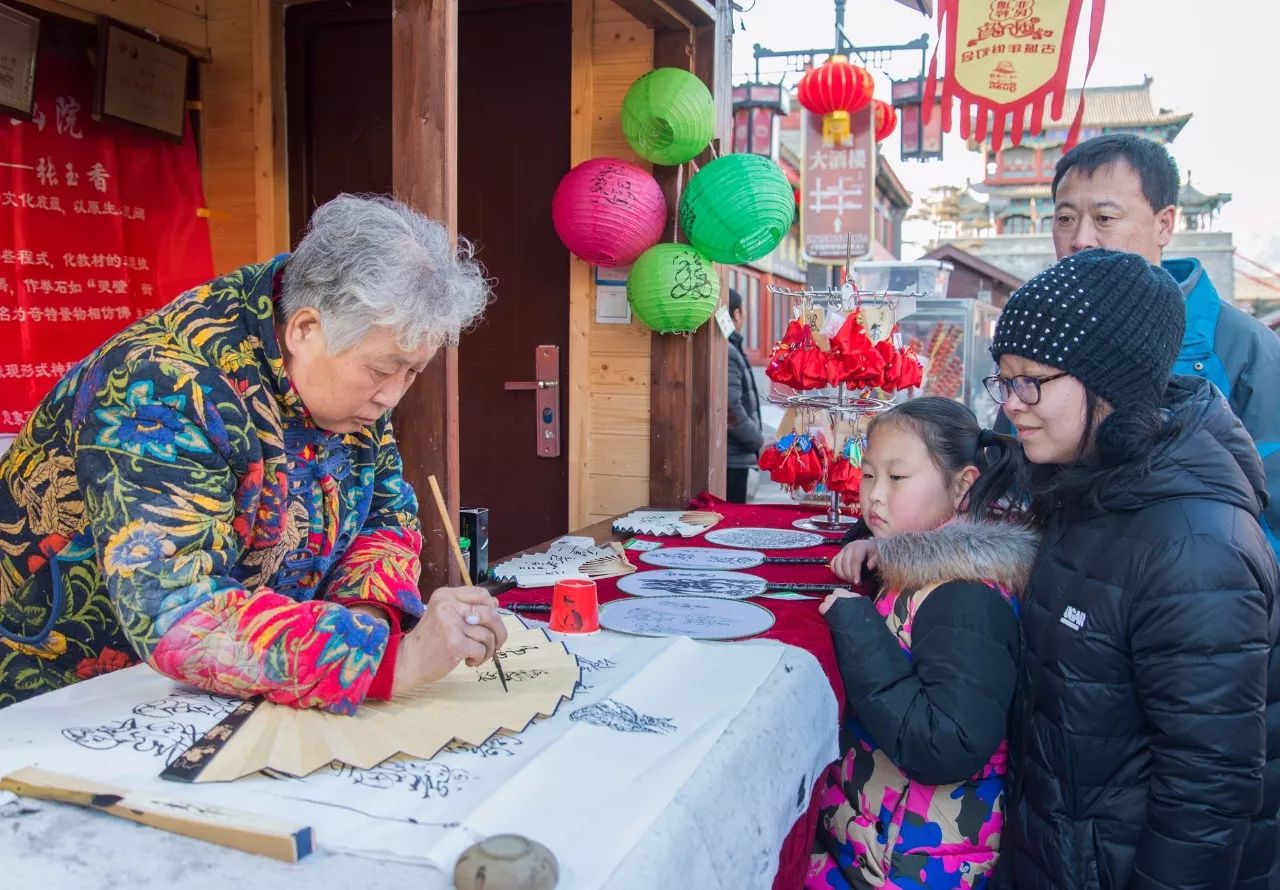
x=448, y=528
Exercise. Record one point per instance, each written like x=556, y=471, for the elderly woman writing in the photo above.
x=217, y=489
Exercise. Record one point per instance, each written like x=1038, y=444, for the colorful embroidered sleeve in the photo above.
x=382, y=564
x=155, y=452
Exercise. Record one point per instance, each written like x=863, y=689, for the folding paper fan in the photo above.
x=667, y=523
x=468, y=705
x=564, y=559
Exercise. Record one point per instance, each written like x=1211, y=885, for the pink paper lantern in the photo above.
x=608, y=211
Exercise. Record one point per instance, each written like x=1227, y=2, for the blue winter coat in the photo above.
x=1241, y=356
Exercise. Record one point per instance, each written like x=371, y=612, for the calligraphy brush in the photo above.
x=462, y=563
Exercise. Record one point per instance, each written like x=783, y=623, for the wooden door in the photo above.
x=513, y=147
x=338, y=101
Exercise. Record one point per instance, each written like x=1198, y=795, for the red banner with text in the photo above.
x=1004, y=61
x=98, y=227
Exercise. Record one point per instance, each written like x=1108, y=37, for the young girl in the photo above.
x=929, y=665
x=1147, y=728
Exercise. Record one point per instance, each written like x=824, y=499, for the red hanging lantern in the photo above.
x=835, y=90
x=886, y=118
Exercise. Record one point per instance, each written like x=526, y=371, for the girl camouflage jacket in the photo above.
x=171, y=501
x=929, y=668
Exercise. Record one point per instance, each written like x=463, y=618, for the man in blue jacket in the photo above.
x=1121, y=192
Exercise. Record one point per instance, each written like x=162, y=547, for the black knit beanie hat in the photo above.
x=1111, y=320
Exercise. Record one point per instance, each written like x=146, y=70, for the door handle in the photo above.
x=529, y=384
x=546, y=419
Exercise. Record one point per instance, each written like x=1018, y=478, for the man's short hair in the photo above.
x=1155, y=167
x=735, y=301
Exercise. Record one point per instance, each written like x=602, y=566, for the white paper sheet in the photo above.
x=589, y=786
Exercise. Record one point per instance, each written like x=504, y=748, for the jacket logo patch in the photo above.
x=1073, y=618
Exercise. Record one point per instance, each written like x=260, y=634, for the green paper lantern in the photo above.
x=673, y=288
x=738, y=208
x=668, y=116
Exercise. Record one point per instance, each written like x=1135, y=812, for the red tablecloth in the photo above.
x=798, y=624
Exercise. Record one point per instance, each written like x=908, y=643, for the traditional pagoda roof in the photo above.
x=1192, y=200
x=1108, y=109
x=1117, y=107
x=970, y=208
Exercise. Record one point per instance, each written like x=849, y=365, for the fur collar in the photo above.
x=961, y=550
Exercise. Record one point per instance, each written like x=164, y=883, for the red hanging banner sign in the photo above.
x=1004, y=59
x=98, y=227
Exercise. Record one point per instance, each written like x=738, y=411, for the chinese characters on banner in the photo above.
x=98, y=227
x=838, y=191
x=1004, y=59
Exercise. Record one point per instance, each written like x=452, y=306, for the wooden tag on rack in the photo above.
x=787, y=424
x=877, y=320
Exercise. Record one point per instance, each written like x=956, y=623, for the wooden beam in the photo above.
x=424, y=66
x=689, y=373
x=270, y=142
x=714, y=64
x=671, y=381
x=581, y=99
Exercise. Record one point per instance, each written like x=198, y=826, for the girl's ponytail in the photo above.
x=998, y=491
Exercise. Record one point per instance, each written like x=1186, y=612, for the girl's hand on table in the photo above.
x=831, y=599
x=849, y=562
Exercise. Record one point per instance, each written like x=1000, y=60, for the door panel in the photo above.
x=513, y=148
x=338, y=100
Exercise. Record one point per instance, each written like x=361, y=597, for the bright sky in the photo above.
x=1206, y=59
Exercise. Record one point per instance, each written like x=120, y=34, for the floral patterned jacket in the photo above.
x=170, y=500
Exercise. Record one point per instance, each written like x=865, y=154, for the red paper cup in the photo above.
x=575, y=608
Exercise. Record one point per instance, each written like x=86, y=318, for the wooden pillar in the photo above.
x=424, y=102
x=688, y=372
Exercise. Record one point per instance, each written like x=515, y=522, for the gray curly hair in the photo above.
x=371, y=261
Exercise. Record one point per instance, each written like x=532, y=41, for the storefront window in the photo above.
x=752, y=298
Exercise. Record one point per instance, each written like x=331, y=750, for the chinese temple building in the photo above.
x=1018, y=177
x=1017, y=187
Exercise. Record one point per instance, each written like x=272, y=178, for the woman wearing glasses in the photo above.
x=1145, y=731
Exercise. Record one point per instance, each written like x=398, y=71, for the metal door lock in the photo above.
x=547, y=405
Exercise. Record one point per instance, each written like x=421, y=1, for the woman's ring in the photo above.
x=471, y=618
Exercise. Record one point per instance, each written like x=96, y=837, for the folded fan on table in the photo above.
x=564, y=560
x=668, y=523
x=467, y=705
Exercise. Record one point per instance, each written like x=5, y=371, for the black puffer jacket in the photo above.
x=1147, y=727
